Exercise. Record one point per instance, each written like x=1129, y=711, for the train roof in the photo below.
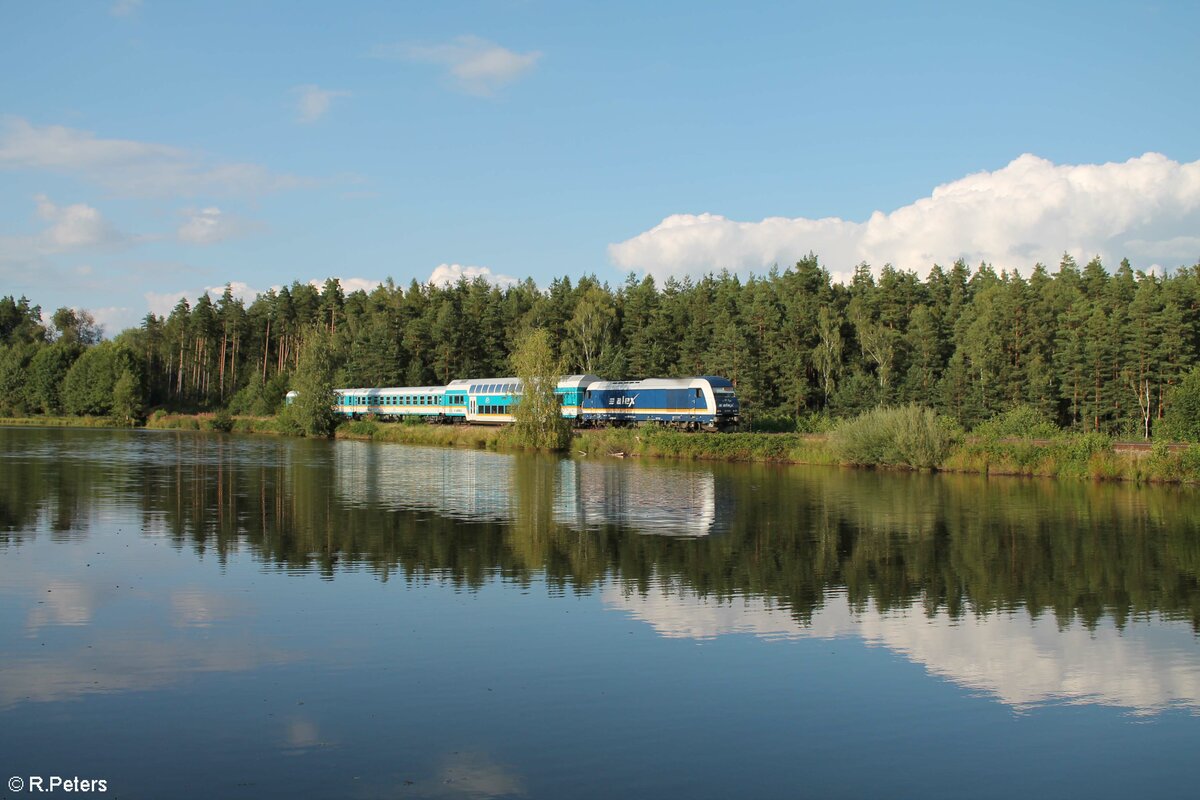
x=393, y=390
x=662, y=383
x=478, y=385
x=577, y=381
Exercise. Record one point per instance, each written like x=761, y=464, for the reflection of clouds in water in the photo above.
x=1021, y=661
x=61, y=602
x=129, y=666
x=301, y=735
x=469, y=775
x=476, y=775
x=197, y=608
x=476, y=486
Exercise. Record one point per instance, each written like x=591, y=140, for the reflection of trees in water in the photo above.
x=964, y=544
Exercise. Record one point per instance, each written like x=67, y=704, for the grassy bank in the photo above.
x=62, y=422
x=645, y=442
x=215, y=422
x=1067, y=455
x=479, y=437
x=790, y=448
x=1089, y=456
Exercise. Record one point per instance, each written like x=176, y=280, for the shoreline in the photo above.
x=1071, y=456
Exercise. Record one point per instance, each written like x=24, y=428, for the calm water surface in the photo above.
x=206, y=616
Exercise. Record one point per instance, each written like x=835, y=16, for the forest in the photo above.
x=1089, y=348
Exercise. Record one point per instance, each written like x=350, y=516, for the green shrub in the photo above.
x=222, y=421
x=773, y=422
x=909, y=436
x=1181, y=422
x=287, y=424
x=1021, y=422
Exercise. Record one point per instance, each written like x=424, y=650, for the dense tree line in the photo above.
x=1090, y=349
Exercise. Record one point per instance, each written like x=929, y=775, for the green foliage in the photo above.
x=90, y=385
x=1092, y=351
x=47, y=371
x=288, y=422
x=312, y=410
x=909, y=436
x=259, y=399
x=774, y=422
x=785, y=422
x=14, y=369
x=358, y=429
x=222, y=420
x=537, y=419
x=127, y=403
x=20, y=322
x=1021, y=422
x=1182, y=419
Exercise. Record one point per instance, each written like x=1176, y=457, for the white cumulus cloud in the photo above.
x=449, y=274
x=131, y=167
x=73, y=227
x=1032, y=210
x=162, y=303
x=476, y=65
x=313, y=102
x=349, y=285
x=211, y=225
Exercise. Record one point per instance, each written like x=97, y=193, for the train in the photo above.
x=707, y=402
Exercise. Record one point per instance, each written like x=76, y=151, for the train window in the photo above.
x=699, y=393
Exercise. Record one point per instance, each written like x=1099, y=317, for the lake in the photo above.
x=190, y=615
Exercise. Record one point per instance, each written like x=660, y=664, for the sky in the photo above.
x=151, y=150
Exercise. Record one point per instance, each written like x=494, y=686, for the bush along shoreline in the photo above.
x=1017, y=443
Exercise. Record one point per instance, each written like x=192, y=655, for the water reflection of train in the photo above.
x=708, y=402
x=477, y=486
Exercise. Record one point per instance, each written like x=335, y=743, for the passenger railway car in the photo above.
x=708, y=402
x=491, y=400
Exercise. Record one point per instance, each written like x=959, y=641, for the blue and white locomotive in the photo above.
x=708, y=403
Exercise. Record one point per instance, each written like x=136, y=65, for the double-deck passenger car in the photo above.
x=491, y=400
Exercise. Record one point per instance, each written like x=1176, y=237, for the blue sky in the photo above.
x=149, y=148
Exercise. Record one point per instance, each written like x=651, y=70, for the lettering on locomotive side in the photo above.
x=623, y=401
